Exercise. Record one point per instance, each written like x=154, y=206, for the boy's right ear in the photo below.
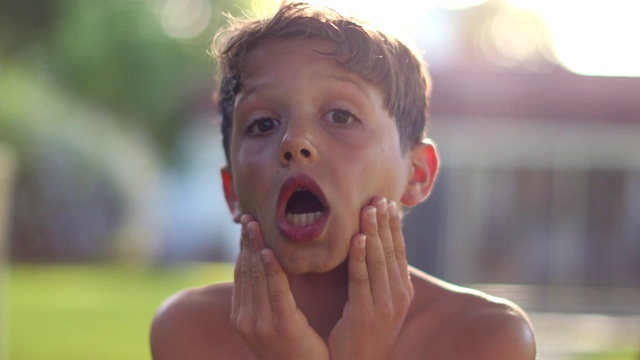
x=230, y=194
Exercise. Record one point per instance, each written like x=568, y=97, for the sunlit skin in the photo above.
x=345, y=291
x=335, y=116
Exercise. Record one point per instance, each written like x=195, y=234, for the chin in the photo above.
x=313, y=262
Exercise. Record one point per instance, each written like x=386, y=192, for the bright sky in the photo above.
x=596, y=37
x=593, y=37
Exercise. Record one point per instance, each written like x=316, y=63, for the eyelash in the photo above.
x=250, y=129
x=343, y=112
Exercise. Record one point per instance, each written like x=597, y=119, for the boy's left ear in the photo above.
x=424, y=169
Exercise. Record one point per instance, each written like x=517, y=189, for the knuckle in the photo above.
x=257, y=277
x=361, y=279
x=243, y=325
x=379, y=263
x=275, y=295
x=404, y=300
x=389, y=252
x=400, y=253
x=245, y=275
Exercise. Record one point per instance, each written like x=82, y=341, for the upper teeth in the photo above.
x=303, y=219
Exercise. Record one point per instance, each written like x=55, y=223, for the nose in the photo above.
x=297, y=147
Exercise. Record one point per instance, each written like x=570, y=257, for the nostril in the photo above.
x=287, y=156
x=305, y=153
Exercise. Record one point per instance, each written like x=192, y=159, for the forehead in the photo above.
x=276, y=61
x=261, y=57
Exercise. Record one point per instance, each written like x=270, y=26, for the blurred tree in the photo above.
x=114, y=54
x=25, y=22
x=117, y=55
x=83, y=84
x=82, y=178
x=67, y=209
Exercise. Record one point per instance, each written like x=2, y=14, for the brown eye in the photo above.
x=262, y=126
x=341, y=116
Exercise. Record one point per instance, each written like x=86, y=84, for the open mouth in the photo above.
x=303, y=208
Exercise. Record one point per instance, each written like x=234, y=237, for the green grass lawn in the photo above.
x=96, y=312
x=92, y=311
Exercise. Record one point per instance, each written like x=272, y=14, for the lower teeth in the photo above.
x=303, y=219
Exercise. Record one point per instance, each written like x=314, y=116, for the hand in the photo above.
x=264, y=312
x=380, y=290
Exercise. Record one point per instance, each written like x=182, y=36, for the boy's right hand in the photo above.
x=264, y=312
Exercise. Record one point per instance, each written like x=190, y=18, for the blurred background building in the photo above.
x=535, y=109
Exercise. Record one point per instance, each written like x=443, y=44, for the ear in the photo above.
x=230, y=193
x=424, y=168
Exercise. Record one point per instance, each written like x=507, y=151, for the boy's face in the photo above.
x=312, y=143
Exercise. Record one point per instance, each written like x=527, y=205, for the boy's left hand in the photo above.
x=380, y=290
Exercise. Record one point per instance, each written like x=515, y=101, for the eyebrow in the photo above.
x=353, y=79
x=345, y=78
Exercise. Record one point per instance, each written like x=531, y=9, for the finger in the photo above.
x=246, y=288
x=256, y=241
x=236, y=294
x=283, y=304
x=376, y=264
x=395, y=227
x=386, y=240
x=359, y=288
x=261, y=303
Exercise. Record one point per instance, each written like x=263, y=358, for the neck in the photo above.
x=321, y=297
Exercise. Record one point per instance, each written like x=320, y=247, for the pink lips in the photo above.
x=304, y=231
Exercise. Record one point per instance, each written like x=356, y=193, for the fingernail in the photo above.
x=361, y=241
x=251, y=229
x=265, y=255
x=371, y=214
x=393, y=208
x=381, y=205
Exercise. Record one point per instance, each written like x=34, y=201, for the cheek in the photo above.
x=250, y=169
x=385, y=173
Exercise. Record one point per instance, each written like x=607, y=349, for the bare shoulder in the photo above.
x=194, y=324
x=463, y=323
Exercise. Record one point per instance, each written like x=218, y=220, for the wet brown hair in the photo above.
x=384, y=61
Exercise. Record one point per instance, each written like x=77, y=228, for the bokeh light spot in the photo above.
x=185, y=19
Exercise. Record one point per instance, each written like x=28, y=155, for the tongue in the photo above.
x=302, y=202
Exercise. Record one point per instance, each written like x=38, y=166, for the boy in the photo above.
x=323, y=128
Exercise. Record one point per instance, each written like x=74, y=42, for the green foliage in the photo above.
x=93, y=312
x=614, y=355
x=115, y=54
